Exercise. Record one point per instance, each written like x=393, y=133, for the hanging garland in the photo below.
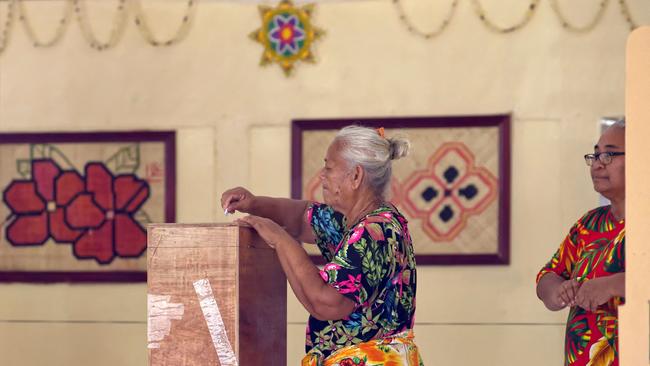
x=532, y=8
x=6, y=29
x=58, y=34
x=555, y=5
x=145, y=30
x=77, y=7
x=119, y=22
x=480, y=12
x=412, y=28
x=625, y=10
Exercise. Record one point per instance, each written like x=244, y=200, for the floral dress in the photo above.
x=595, y=247
x=372, y=264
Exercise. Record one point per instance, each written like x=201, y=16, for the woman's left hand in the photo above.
x=268, y=230
x=593, y=293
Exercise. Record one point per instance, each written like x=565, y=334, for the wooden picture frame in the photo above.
x=476, y=150
x=75, y=204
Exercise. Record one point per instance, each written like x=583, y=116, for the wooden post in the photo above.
x=634, y=316
x=216, y=296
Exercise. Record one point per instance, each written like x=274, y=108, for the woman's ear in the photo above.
x=357, y=176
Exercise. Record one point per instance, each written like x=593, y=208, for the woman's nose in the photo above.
x=597, y=164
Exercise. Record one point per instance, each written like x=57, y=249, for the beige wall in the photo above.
x=634, y=315
x=233, y=119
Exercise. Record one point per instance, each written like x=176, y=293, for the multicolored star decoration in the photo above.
x=287, y=35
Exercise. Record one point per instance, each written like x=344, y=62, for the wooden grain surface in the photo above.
x=262, y=304
x=246, y=280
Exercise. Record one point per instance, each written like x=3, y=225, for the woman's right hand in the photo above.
x=237, y=199
x=566, y=292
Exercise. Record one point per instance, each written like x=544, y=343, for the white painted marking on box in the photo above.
x=160, y=313
x=215, y=323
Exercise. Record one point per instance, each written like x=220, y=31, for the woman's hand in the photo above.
x=566, y=293
x=268, y=230
x=237, y=199
x=593, y=293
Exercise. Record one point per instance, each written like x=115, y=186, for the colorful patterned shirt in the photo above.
x=595, y=247
x=372, y=264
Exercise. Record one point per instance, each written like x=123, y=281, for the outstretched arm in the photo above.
x=289, y=213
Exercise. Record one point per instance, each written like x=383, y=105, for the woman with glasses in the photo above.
x=587, y=273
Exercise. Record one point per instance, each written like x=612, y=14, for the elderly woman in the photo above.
x=587, y=273
x=362, y=303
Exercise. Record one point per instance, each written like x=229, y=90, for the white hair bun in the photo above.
x=399, y=147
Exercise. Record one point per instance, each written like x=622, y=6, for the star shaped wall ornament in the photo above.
x=287, y=35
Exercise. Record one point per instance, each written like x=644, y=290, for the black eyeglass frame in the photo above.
x=591, y=158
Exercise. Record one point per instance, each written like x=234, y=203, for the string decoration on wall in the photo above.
x=76, y=9
x=61, y=28
x=276, y=50
x=627, y=14
x=7, y=25
x=531, y=9
x=145, y=30
x=287, y=35
x=555, y=5
x=411, y=27
x=485, y=19
x=119, y=23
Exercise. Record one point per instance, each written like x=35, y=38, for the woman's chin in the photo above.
x=327, y=199
x=602, y=189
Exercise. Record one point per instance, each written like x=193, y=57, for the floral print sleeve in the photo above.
x=564, y=259
x=361, y=263
x=328, y=226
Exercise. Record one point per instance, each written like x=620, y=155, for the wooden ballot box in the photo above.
x=216, y=296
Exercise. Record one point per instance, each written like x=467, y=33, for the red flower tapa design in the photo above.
x=39, y=205
x=95, y=214
x=105, y=211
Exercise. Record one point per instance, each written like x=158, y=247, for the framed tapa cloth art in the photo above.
x=453, y=187
x=75, y=205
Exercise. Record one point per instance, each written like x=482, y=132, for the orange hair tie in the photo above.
x=380, y=132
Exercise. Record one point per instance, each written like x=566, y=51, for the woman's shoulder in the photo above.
x=597, y=218
x=386, y=216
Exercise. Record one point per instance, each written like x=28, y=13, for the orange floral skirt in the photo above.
x=399, y=350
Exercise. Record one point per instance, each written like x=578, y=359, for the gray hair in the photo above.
x=620, y=123
x=364, y=146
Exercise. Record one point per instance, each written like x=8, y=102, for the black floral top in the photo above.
x=372, y=264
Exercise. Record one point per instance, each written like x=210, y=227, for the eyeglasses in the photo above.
x=604, y=157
